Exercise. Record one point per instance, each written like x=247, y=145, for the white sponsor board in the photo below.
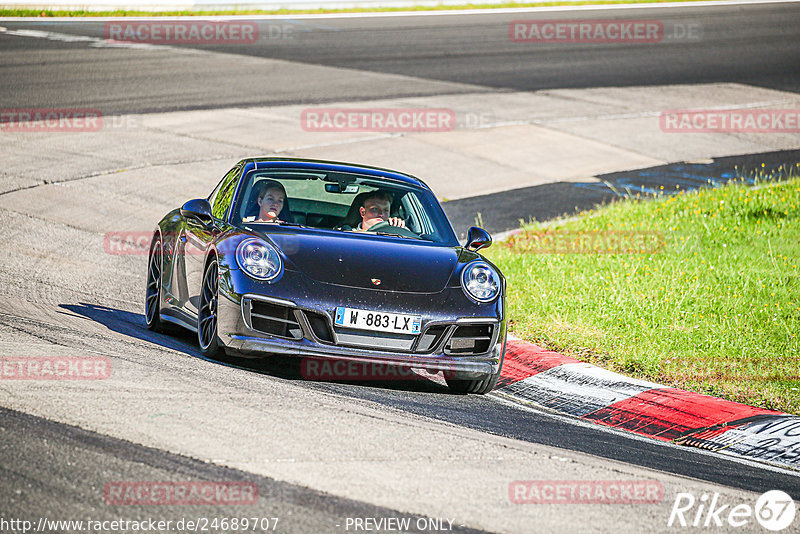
x=775, y=440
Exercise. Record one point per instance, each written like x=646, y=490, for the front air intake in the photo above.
x=319, y=325
x=272, y=319
x=431, y=338
x=470, y=339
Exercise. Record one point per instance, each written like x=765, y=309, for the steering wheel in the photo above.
x=389, y=229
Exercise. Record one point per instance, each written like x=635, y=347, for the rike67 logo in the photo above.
x=774, y=510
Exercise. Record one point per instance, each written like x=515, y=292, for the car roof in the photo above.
x=321, y=165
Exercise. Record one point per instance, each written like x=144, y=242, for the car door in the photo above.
x=198, y=235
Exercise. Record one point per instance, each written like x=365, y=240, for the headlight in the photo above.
x=480, y=281
x=258, y=259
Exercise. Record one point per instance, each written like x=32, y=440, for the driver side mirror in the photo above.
x=198, y=209
x=478, y=238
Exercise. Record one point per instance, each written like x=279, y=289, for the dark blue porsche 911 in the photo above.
x=330, y=260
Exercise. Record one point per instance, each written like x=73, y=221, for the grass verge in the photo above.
x=698, y=290
x=212, y=13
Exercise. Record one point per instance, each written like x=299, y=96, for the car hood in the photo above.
x=359, y=261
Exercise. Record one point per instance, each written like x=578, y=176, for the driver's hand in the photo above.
x=396, y=221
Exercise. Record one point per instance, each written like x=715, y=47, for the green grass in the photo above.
x=715, y=310
x=140, y=13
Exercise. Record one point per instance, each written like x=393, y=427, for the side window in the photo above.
x=224, y=194
x=417, y=218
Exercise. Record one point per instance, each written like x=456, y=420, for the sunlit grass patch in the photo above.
x=715, y=308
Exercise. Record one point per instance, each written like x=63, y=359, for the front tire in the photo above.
x=479, y=387
x=207, y=316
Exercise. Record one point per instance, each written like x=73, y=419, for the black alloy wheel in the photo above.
x=207, y=316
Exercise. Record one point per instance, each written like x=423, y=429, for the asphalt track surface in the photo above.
x=70, y=484
x=430, y=399
x=748, y=44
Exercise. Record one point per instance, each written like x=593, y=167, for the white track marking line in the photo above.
x=94, y=42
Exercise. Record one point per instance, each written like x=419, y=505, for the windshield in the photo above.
x=341, y=202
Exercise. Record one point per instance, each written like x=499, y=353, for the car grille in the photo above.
x=376, y=340
x=431, y=338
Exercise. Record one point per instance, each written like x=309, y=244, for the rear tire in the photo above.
x=152, y=302
x=207, y=313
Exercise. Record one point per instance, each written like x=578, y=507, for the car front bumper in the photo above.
x=444, y=317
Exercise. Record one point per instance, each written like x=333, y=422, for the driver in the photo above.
x=375, y=209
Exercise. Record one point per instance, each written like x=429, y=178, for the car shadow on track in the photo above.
x=132, y=325
x=311, y=371
x=339, y=373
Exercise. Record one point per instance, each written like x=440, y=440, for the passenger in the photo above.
x=374, y=209
x=271, y=200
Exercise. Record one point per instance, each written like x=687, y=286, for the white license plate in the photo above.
x=380, y=321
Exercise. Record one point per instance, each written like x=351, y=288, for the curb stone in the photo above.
x=537, y=376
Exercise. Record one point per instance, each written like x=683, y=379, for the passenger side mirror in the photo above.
x=478, y=238
x=199, y=209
